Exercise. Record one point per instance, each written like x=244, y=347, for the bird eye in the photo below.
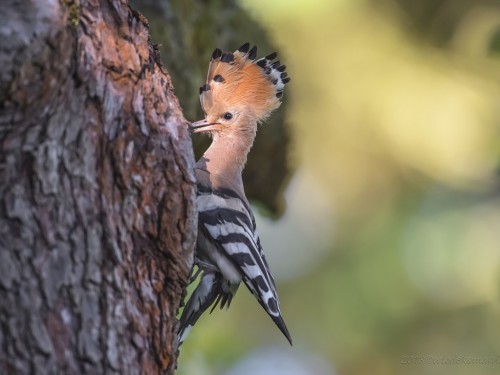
x=228, y=116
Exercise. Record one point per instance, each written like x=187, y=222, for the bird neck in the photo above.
x=225, y=159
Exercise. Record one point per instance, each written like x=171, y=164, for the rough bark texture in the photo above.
x=97, y=223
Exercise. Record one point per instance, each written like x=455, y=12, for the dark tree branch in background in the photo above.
x=97, y=221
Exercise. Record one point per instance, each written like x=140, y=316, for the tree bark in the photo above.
x=97, y=218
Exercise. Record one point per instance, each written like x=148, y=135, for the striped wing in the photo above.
x=228, y=220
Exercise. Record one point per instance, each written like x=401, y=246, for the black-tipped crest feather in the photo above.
x=216, y=54
x=252, y=54
x=244, y=48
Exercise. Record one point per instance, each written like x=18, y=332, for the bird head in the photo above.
x=240, y=91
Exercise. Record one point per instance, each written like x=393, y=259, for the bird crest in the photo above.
x=239, y=79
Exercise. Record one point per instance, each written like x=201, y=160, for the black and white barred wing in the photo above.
x=228, y=220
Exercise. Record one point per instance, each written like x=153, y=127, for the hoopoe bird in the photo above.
x=240, y=92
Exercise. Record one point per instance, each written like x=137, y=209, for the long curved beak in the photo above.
x=203, y=126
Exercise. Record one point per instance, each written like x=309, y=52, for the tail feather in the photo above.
x=212, y=289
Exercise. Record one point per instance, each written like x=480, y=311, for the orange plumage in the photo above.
x=240, y=89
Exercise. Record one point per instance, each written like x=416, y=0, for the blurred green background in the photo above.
x=388, y=247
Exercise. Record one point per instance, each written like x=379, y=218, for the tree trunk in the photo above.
x=97, y=218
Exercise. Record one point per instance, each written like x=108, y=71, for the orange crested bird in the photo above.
x=240, y=92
